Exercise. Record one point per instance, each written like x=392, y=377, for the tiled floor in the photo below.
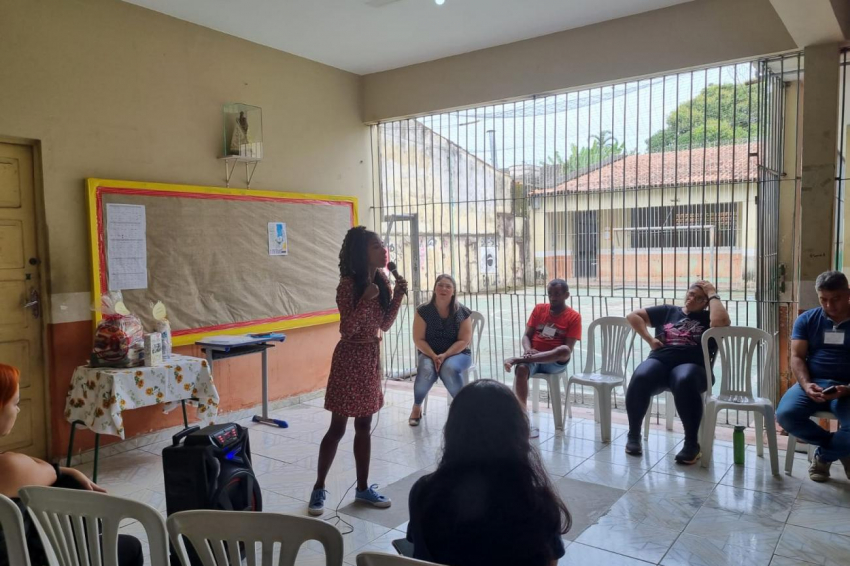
x=640, y=510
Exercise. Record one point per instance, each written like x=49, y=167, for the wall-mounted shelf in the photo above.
x=230, y=163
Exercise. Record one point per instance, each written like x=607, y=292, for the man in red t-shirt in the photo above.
x=549, y=339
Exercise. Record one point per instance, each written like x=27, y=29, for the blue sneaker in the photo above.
x=317, y=502
x=372, y=497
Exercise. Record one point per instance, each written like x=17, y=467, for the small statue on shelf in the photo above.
x=240, y=134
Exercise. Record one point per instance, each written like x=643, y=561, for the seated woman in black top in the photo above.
x=20, y=470
x=490, y=501
x=442, y=330
x=675, y=363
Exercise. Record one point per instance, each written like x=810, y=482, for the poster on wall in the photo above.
x=487, y=260
x=277, y=239
x=126, y=246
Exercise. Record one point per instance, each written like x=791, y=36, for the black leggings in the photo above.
x=130, y=551
x=686, y=381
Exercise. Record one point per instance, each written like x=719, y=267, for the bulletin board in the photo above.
x=210, y=259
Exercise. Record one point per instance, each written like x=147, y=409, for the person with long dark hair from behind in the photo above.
x=490, y=501
x=366, y=306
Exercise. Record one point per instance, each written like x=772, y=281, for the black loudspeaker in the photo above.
x=210, y=468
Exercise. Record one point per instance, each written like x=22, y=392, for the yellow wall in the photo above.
x=115, y=91
x=686, y=35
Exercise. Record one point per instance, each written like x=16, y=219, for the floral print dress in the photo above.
x=354, y=386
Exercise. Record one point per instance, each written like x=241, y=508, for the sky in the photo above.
x=531, y=131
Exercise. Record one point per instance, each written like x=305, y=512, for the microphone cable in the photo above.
x=336, y=516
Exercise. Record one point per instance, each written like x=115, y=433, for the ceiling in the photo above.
x=367, y=36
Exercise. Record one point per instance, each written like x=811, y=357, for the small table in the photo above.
x=97, y=397
x=221, y=347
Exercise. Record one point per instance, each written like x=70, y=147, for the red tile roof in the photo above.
x=671, y=168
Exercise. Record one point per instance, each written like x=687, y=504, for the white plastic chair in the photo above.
x=210, y=531
x=617, y=338
x=553, y=382
x=669, y=410
x=13, y=530
x=792, y=441
x=384, y=559
x=71, y=519
x=474, y=346
x=737, y=351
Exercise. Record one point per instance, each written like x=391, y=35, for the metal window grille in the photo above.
x=629, y=191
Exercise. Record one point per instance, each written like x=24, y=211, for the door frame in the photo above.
x=43, y=271
x=585, y=245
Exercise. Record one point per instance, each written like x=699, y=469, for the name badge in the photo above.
x=548, y=331
x=833, y=337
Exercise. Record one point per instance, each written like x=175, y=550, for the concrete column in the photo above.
x=820, y=127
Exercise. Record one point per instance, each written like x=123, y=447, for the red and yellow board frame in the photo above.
x=96, y=188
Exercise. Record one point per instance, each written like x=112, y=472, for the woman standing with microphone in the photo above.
x=354, y=385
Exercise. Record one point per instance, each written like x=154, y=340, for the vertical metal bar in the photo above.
x=664, y=208
x=507, y=218
x=623, y=190
x=417, y=204
x=676, y=206
x=743, y=239
x=797, y=180
x=637, y=212
x=704, y=165
x=841, y=156
x=731, y=219
x=717, y=177
x=543, y=196
x=691, y=178
x=554, y=178
x=595, y=238
x=490, y=335
x=442, y=204
x=546, y=193
x=649, y=195
x=383, y=209
x=432, y=229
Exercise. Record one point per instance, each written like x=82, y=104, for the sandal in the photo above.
x=414, y=422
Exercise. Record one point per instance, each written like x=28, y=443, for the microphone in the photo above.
x=393, y=268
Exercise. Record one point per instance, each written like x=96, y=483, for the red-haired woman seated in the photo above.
x=20, y=470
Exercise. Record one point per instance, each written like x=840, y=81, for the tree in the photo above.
x=719, y=115
x=604, y=147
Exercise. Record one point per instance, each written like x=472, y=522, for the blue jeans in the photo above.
x=551, y=367
x=793, y=414
x=451, y=373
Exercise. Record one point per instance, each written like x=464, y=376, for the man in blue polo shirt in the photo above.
x=820, y=359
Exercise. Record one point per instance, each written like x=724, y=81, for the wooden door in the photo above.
x=21, y=325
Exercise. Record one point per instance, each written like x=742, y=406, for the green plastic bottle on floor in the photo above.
x=739, y=446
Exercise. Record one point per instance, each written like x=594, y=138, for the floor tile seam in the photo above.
x=800, y=495
x=789, y=523
x=776, y=546
x=612, y=551
x=689, y=521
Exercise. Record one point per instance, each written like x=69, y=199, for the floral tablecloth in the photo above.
x=97, y=397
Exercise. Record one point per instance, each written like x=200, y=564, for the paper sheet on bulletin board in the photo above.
x=209, y=255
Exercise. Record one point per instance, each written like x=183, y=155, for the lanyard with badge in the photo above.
x=833, y=337
x=549, y=330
